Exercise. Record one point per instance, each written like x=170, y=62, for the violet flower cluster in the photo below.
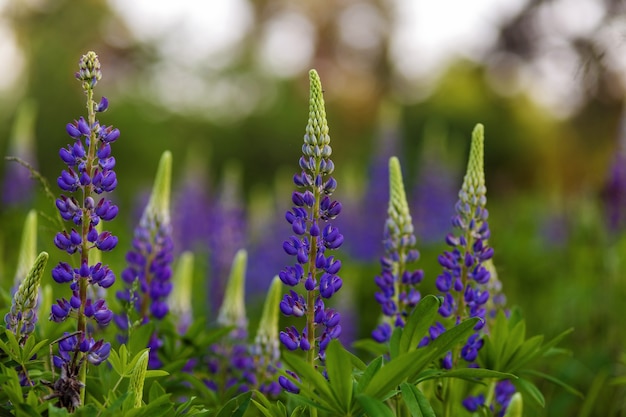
x=503, y=392
x=313, y=236
x=89, y=174
x=397, y=295
x=229, y=361
x=148, y=274
x=464, y=280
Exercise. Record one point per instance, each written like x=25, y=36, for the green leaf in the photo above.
x=418, y=322
x=416, y=401
x=34, y=349
x=298, y=411
x=153, y=373
x=374, y=407
x=555, y=381
x=115, y=361
x=526, y=352
x=57, y=412
x=265, y=409
x=237, y=406
x=411, y=364
x=339, y=369
x=368, y=374
x=393, y=373
x=530, y=390
x=156, y=391
x=311, y=376
x=394, y=342
x=114, y=408
x=371, y=346
x=513, y=341
x=470, y=374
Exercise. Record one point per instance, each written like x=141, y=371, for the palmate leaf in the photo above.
x=315, y=390
x=409, y=365
x=507, y=350
x=418, y=322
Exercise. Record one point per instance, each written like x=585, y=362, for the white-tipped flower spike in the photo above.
x=22, y=317
x=398, y=294
x=158, y=208
x=182, y=282
x=28, y=247
x=233, y=309
x=138, y=377
x=473, y=191
x=148, y=274
x=399, y=222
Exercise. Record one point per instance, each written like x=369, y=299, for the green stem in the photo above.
x=84, y=254
x=311, y=295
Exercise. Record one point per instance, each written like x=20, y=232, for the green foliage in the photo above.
x=508, y=350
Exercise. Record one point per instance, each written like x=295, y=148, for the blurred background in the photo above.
x=224, y=86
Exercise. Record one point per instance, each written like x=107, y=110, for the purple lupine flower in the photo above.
x=265, y=349
x=228, y=232
x=434, y=194
x=504, y=392
x=147, y=277
x=190, y=202
x=230, y=363
x=365, y=244
x=464, y=282
x=313, y=236
x=89, y=173
x=397, y=284
x=472, y=403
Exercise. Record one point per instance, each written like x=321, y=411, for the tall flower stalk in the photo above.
x=313, y=236
x=397, y=283
x=89, y=174
x=465, y=278
x=149, y=271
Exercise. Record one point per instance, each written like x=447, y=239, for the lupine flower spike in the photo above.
x=22, y=317
x=89, y=173
x=313, y=236
x=149, y=272
x=464, y=280
x=397, y=283
x=265, y=350
x=233, y=350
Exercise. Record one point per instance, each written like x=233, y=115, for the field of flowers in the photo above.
x=329, y=304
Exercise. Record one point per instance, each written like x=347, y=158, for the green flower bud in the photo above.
x=233, y=309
